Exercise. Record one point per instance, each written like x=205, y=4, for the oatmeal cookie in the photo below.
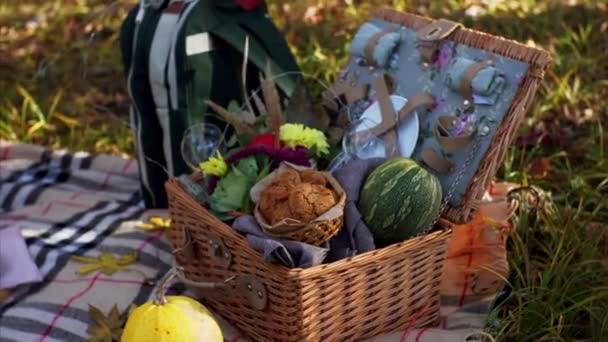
x=288, y=177
x=309, y=201
x=313, y=177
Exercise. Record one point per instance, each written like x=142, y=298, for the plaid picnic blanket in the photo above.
x=79, y=216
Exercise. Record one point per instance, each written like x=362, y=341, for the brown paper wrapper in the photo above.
x=295, y=229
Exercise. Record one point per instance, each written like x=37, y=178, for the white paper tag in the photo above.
x=198, y=43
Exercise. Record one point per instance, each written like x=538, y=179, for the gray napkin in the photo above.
x=487, y=85
x=354, y=238
x=292, y=254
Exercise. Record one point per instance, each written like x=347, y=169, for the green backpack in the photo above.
x=179, y=53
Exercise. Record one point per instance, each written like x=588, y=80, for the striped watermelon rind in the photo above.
x=399, y=200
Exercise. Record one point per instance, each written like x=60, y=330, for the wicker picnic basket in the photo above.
x=388, y=289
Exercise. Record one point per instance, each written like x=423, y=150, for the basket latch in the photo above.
x=253, y=290
x=431, y=36
x=219, y=252
x=244, y=286
x=437, y=30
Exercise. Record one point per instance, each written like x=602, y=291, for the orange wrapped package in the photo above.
x=476, y=263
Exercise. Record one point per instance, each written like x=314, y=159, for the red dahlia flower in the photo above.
x=264, y=139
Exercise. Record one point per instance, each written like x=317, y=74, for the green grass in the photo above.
x=61, y=85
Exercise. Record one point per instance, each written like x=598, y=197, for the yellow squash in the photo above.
x=171, y=319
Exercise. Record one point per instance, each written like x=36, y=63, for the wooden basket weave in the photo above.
x=347, y=300
x=370, y=294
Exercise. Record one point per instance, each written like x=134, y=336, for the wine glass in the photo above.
x=358, y=143
x=200, y=142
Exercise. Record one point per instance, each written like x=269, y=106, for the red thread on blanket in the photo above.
x=104, y=184
x=468, y=268
x=103, y=280
x=420, y=333
x=127, y=165
x=5, y=153
x=13, y=218
x=65, y=306
x=412, y=323
x=64, y=203
x=148, y=240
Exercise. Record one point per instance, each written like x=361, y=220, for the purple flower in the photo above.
x=297, y=156
x=461, y=123
x=438, y=104
x=443, y=57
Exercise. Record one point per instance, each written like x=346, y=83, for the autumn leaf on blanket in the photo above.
x=105, y=262
x=155, y=223
x=105, y=328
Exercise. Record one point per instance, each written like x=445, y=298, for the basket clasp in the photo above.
x=437, y=30
x=219, y=252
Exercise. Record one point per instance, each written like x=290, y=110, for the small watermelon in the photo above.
x=399, y=200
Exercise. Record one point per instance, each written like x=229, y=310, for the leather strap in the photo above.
x=386, y=128
x=418, y=100
x=466, y=89
x=244, y=287
x=346, y=88
x=443, y=126
x=371, y=45
x=435, y=161
x=437, y=30
x=388, y=116
x=431, y=36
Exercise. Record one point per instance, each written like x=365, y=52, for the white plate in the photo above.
x=407, y=132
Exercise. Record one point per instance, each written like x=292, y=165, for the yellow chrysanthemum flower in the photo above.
x=215, y=166
x=316, y=138
x=293, y=135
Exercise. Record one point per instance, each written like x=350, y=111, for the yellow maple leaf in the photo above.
x=155, y=223
x=105, y=262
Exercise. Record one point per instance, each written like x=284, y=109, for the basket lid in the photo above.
x=482, y=86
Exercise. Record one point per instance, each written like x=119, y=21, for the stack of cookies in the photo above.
x=297, y=195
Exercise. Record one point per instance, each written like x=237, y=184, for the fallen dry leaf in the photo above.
x=540, y=168
x=105, y=262
x=155, y=223
x=105, y=328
